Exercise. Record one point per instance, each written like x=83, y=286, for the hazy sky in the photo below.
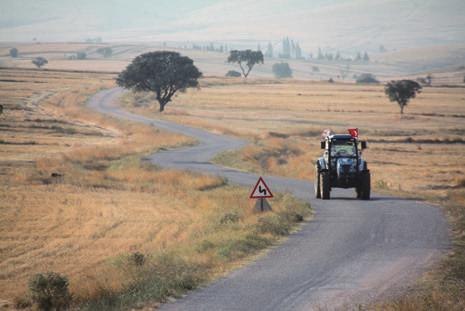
x=330, y=23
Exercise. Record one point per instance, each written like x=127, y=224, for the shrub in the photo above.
x=105, y=51
x=204, y=246
x=50, y=291
x=22, y=302
x=366, y=78
x=229, y=218
x=282, y=70
x=273, y=225
x=81, y=55
x=233, y=73
x=137, y=259
x=331, y=80
x=14, y=52
x=239, y=248
x=315, y=69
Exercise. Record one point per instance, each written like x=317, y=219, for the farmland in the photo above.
x=77, y=198
x=419, y=153
x=419, y=156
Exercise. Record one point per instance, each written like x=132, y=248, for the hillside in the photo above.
x=331, y=24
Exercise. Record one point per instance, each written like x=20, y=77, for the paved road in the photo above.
x=354, y=251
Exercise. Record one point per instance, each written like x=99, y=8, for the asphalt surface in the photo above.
x=352, y=252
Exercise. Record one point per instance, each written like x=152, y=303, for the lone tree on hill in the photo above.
x=249, y=57
x=14, y=52
x=161, y=72
x=401, y=91
x=39, y=61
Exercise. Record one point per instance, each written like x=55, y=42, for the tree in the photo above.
x=282, y=70
x=358, y=57
x=269, y=50
x=40, y=61
x=14, y=52
x=249, y=57
x=320, y=54
x=366, y=78
x=298, y=51
x=401, y=91
x=161, y=72
x=81, y=55
x=286, y=48
x=366, y=58
x=105, y=51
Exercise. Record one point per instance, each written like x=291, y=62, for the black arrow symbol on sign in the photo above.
x=263, y=191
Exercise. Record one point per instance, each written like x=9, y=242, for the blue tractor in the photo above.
x=342, y=166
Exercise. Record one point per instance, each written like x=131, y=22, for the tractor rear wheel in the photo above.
x=325, y=186
x=316, y=183
x=365, y=186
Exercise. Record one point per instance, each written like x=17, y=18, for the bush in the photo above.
x=366, y=78
x=233, y=73
x=229, y=218
x=81, y=55
x=105, y=51
x=239, y=248
x=137, y=259
x=274, y=225
x=204, y=246
x=50, y=291
x=282, y=70
x=22, y=302
x=14, y=52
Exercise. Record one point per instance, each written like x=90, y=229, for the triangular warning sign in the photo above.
x=261, y=190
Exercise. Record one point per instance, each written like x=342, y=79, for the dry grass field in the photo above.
x=419, y=155
x=76, y=198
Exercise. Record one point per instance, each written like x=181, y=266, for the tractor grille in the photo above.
x=345, y=169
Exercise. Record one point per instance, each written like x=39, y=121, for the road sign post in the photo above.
x=261, y=192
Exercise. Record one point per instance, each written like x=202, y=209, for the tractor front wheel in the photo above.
x=365, y=186
x=316, y=183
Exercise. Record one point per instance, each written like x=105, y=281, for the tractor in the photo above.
x=342, y=166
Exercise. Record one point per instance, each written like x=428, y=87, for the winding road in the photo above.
x=352, y=252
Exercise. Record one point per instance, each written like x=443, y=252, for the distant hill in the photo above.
x=348, y=25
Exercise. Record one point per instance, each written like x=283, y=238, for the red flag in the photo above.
x=353, y=132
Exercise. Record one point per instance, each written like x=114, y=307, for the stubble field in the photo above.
x=77, y=198
x=419, y=156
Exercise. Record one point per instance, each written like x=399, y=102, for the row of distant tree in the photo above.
x=104, y=51
x=165, y=73
x=289, y=49
x=359, y=57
